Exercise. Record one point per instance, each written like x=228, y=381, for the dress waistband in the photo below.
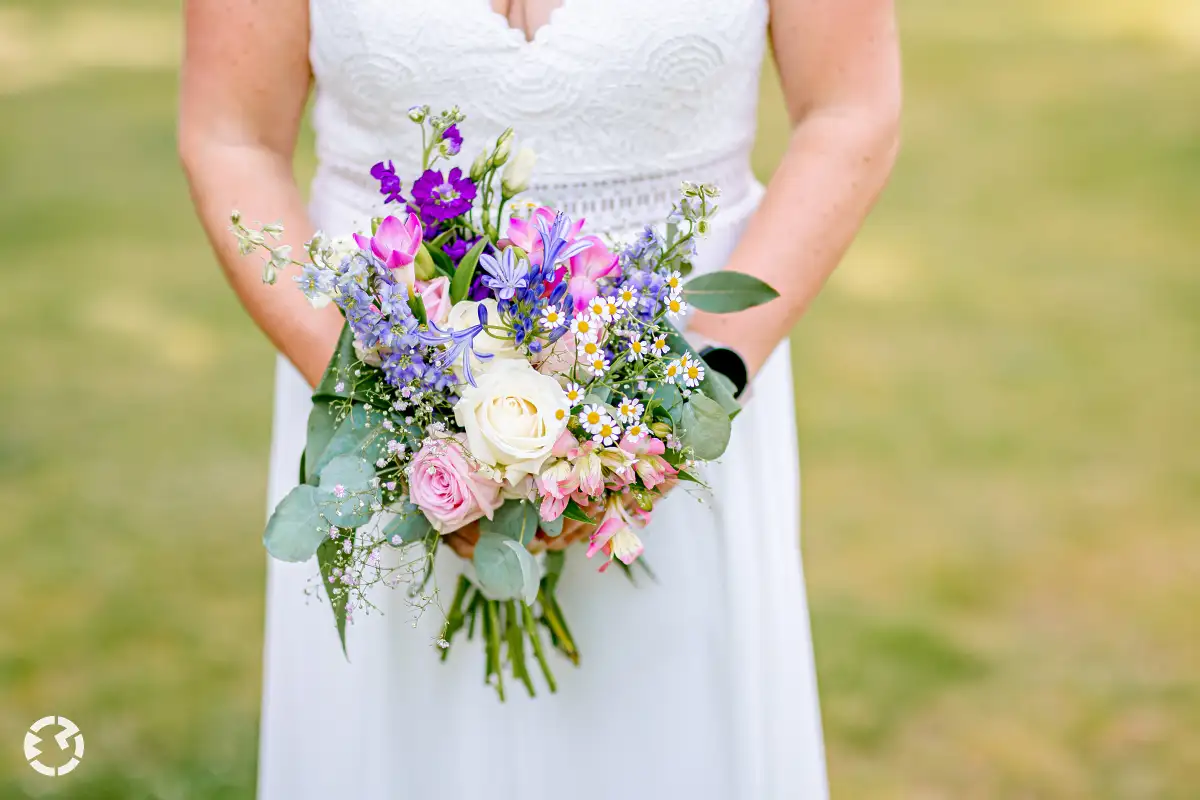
x=612, y=205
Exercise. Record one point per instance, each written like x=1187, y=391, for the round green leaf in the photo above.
x=296, y=528
x=345, y=491
x=706, y=427
x=503, y=567
x=516, y=519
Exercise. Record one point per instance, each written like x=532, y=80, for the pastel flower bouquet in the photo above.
x=500, y=371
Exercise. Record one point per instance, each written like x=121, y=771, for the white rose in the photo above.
x=513, y=417
x=465, y=314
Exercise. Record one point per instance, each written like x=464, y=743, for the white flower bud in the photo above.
x=275, y=229
x=517, y=174
x=417, y=114
x=503, y=148
x=479, y=166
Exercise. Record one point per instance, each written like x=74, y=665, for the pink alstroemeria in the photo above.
x=587, y=268
x=619, y=464
x=651, y=467
x=615, y=536
x=556, y=484
x=396, y=243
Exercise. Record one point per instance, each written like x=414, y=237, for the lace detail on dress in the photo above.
x=621, y=99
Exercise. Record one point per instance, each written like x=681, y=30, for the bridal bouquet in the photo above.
x=500, y=367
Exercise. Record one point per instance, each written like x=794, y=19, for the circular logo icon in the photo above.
x=70, y=745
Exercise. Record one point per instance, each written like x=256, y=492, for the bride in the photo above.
x=700, y=684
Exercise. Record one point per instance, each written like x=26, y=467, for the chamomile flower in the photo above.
x=693, y=373
x=676, y=305
x=629, y=411
x=560, y=414
x=636, y=432
x=612, y=310
x=585, y=326
x=674, y=371
x=597, y=307
x=598, y=365
x=552, y=318
x=674, y=282
x=608, y=433
x=638, y=349
x=589, y=349
x=593, y=417
x=627, y=297
x=574, y=392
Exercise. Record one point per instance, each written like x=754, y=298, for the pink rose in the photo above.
x=435, y=294
x=447, y=487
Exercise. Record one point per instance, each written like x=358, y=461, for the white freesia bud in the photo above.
x=518, y=172
x=503, y=148
x=479, y=166
x=417, y=114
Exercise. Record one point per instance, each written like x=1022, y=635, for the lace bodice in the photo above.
x=621, y=99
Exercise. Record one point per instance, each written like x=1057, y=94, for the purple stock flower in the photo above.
x=443, y=197
x=458, y=248
x=389, y=182
x=451, y=141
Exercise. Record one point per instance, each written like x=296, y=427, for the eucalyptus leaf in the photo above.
x=516, y=519
x=410, y=525
x=329, y=556
x=460, y=284
x=553, y=528
x=345, y=491
x=296, y=528
x=668, y=398
x=706, y=427
x=505, y=569
x=725, y=292
x=322, y=422
x=710, y=385
x=359, y=433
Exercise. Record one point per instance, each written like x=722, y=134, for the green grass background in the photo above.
x=997, y=398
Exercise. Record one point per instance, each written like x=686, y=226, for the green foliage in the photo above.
x=296, y=526
x=724, y=292
x=516, y=519
x=322, y=422
x=461, y=283
x=706, y=427
x=330, y=556
x=505, y=569
x=410, y=525
x=354, y=476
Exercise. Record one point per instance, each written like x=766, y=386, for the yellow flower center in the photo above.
x=593, y=418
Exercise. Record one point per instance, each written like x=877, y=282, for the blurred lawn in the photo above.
x=998, y=400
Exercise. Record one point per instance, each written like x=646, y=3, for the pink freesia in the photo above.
x=587, y=268
x=651, y=467
x=615, y=536
x=396, y=243
x=435, y=294
x=447, y=487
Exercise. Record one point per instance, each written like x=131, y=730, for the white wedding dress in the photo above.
x=699, y=686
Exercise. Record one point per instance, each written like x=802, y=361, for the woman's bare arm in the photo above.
x=245, y=82
x=840, y=66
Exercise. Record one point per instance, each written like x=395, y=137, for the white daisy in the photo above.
x=636, y=432
x=659, y=346
x=597, y=307
x=638, y=349
x=627, y=297
x=629, y=411
x=589, y=349
x=674, y=371
x=574, y=392
x=592, y=417
x=552, y=318
x=676, y=305
x=598, y=365
x=608, y=433
x=585, y=326
x=693, y=373
x=674, y=282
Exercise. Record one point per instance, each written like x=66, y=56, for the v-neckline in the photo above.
x=520, y=35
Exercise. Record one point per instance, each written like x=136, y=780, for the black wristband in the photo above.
x=730, y=364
